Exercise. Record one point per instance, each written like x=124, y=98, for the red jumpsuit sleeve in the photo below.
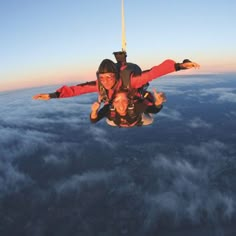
x=70, y=91
x=166, y=67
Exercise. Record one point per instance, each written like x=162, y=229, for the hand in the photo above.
x=160, y=97
x=95, y=106
x=42, y=96
x=189, y=65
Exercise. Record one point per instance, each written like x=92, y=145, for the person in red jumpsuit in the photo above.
x=109, y=77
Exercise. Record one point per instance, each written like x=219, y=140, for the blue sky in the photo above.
x=61, y=41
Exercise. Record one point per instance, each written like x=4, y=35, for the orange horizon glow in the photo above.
x=43, y=78
x=63, y=77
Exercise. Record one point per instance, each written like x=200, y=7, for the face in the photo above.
x=107, y=80
x=121, y=103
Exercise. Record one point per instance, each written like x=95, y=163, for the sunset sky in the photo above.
x=63, y=41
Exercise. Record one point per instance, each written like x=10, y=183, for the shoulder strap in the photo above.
x=125, y=74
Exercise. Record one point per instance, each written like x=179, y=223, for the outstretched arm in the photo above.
x=166, y=67
x=69, y=91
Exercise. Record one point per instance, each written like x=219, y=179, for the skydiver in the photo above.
x=108, y=79
x=124, y=112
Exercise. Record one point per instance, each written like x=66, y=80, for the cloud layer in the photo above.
x=61, y=175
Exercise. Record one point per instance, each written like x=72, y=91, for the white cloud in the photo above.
x=197, y=122
x=215, y=91
x=228, y=97
x=186, y=80
x=89, y=178
x=101, y=136
x=54, y=159
x=223, y=94
x=231, y=114
x=170, y=114
x=185, y=191
x=11, y=179
x=208, y=150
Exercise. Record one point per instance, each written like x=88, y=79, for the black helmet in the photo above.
x=107, y=66
x=120, y=56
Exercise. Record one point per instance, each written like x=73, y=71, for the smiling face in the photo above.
x=121, y=103
x=107, y=80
